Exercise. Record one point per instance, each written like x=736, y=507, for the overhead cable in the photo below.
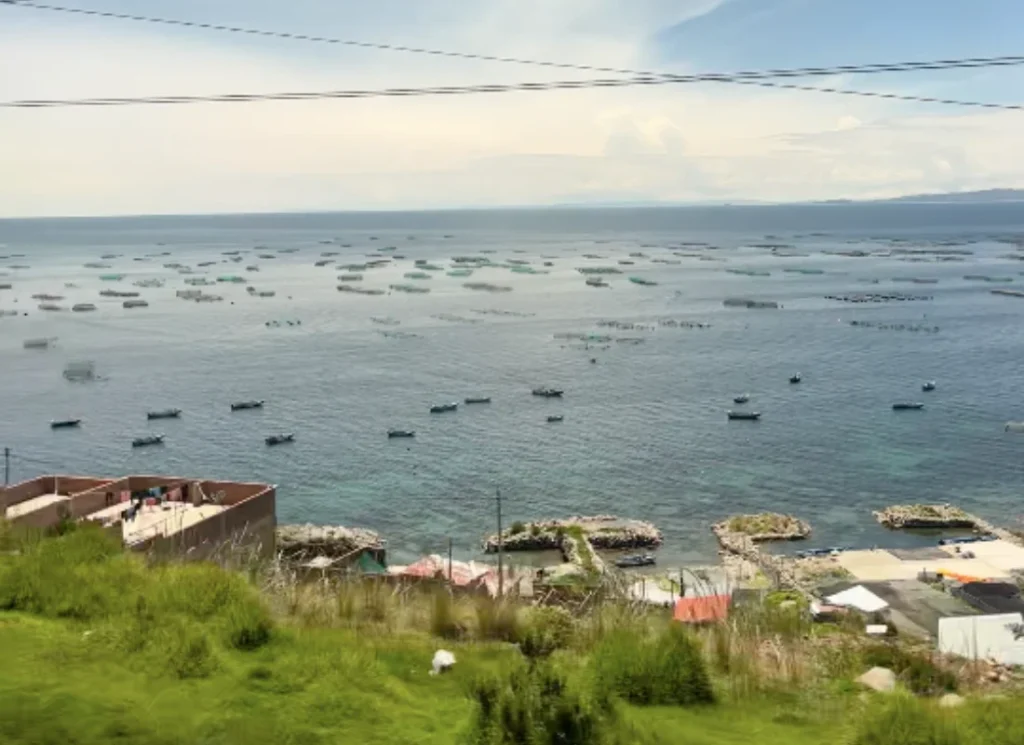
x=965, y=62
x=468, y=90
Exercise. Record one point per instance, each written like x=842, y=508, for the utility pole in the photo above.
x=501, y=542
x=449, y=561
x=7, y=466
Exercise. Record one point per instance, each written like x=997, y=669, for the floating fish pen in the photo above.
x=50, y=307
x=353, y=267
x=454, y=318
x=987, y=278
x=749, y=272
x=1009, y=293
x=323, y=262
x=596, y=282
x=80, y=371
x=118, y=293
x=83, y=307
x=135, y=304
x=517, y=262
x=231, y=279
x=739, y=302
x=642, y=281
x=804, y=271
x=149, y=283
x=350, y=277
x=409, y=288
x=111, y=277
x=429, y=267
x=914, y=327
x=252, y=268
x=416, y=275
x=96, y=265
x=387, y=321
x=199, y=282
x=486, y=287
x=598, y=270
x=871, y=297
x=916, y=280
x=377, y=263
x=359, y=290
x=460, y=273
x=44, y=296
x=398, y=334
x=38, y=343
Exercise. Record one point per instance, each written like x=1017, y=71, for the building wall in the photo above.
x=65, y=485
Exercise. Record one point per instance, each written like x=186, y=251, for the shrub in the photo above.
x=666, y=670
x=546, y=630
x=534, y=706
x=534, y=529
x=516, y=527
x=247, y=625
x=186, y=649
x=918, y=671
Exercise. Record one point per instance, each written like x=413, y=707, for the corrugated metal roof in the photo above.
x=998, y=637
x=702, y=610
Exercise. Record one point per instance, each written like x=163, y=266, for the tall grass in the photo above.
x=667, y=669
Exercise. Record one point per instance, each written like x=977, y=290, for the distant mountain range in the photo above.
x=984, y=196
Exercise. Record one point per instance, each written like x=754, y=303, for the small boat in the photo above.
x=400, y=433
x=548, y=392
x=280, y=439
x=478, y=400
x=750, y=416
x=64, y=423
x=795, y=378
x=83, y=307
x=442, y=408
x=929, y=386
x=164, y=414
x=741, y=399
x=635, y=560
x=555, y=418
x=242, y=405
x=907, y=407
x=141, y=442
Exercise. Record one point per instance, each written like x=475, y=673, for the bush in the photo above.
x=497, y=620
x=534, y=529
x=247, y=625
x=186, y=650
x=534, y=706
x=516, y=527
x=547, y=629
x=918, y=671
x=664, y=671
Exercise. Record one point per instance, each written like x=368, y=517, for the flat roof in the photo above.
x=160, y=520
x=31, y=505
x=994, y=559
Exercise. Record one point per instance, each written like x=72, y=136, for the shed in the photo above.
x=858, y=597
x=707, y=609
x=999, y=637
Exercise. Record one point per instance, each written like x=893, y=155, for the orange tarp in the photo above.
x=702, y=610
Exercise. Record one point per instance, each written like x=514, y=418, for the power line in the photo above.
x=966, y=62
x=474, y=89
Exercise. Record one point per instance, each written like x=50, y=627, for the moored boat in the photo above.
x=394, y=433
x=280, y=439
x=443, y=408
x=741, y=399
x=164, y=414
x=555, y=418
x=242, y=405
x=907, y=406
x=795, y=378
x=929, y=386
x=478, y=400
x=635, y=560
x=141, y=442
x=64, y=423
x=750, y=416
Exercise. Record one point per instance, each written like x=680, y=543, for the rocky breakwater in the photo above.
x=924, y=516
x=740, y=535
x=303, y=543
x=606, y=532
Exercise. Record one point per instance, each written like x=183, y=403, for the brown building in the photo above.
x=154, y=514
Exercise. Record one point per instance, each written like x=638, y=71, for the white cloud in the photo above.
x=663, y=142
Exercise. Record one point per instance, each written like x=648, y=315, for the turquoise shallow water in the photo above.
x=645, y=432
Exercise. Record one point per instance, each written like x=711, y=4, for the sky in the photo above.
x=675, y=143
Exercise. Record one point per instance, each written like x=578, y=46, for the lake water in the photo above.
x=644, y=434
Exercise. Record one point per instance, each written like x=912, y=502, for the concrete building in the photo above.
x=153, y=514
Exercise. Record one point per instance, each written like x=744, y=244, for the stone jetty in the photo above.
x=739, y=536
x=304, y=542
x=924, y=516
x=767, y=526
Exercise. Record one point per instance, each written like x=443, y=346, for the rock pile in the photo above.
x=924, y=516
x=606, y=532
x=308, y=541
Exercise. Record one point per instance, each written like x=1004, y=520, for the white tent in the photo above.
x=999, y=637
x=858, y=597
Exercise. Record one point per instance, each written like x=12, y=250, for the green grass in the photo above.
x=96, y=647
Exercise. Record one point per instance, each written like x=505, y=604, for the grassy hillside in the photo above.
x=96, y=647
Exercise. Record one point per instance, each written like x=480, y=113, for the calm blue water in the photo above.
x=645, y=432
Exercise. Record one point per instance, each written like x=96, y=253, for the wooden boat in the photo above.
x=280, y=439
x=555, y=418
x=929, y=386
x=64, y=423
x=741, y=399
x=242, y=405
x=750, y=416
x=795, y=378
x=141, y=442
x=548, y=392
x=636, y=560
x=906, y=406
x=164, y=414
x=478, y=400
x=393, y=433
x=443, y=408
